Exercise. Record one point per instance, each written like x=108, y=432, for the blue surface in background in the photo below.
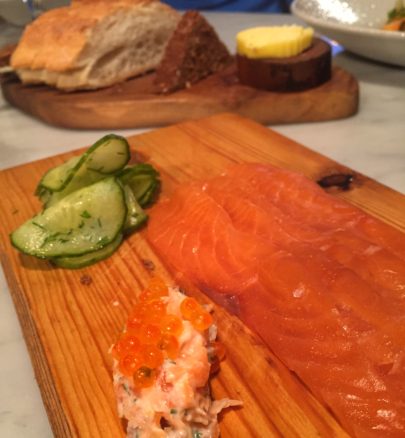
x=233, y=5
x=335, y=46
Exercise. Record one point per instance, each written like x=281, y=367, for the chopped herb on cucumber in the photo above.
x=90, y=203
x=58, y=177
x=58, y=230
x=107, y=156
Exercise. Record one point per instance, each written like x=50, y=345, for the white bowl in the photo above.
x=355, y=24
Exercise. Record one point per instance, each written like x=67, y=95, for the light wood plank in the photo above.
x=69, y=325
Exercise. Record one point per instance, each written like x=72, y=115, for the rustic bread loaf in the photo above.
x=94, y=44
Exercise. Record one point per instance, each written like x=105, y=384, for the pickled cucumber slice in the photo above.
x=143, y=179
x=107, y=156
x=81, y=261
x=136, y=217
x=83, y=221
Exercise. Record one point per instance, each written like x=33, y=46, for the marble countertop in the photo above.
x=371, y=142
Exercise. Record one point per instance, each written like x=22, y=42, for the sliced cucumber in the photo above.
x=90, y=202
x=107, y=156
x=57, y=178
x=43, y=194
x=135, y=215
x=81, y=261
x=84, y=221
x=143, y=180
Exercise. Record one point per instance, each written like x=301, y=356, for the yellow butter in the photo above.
x=274, y=41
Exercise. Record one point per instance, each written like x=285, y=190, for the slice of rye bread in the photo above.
x=194, y=51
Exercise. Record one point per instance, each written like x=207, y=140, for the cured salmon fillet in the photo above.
x=263, y=215
x=319, y=280
x=302, y=198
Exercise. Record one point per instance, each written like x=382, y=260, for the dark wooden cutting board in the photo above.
x=70, y=318
x=135, y=103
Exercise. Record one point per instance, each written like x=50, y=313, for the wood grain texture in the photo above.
x=135, y=103
x=70, y=318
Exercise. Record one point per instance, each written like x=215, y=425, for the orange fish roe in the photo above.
x=144, y=377
x=149, y=334
x=171, y=325
x=127, y=344
x=138, y=313
x=152, y=334
x=156, y=310
x=201, y=320
x=129, y=363
x=152, y=356
x=131, y=342
x=170, y=346
x=155, y=289
x=196, y=314
x=188, y=307
x=133, y=326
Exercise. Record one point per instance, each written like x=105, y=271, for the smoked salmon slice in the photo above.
x=320, y=281
x=373, y=262
x=302, y=198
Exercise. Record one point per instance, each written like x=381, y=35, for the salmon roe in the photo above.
x=152, y=356
x=149, y=334
x=188, y=307
x=152, y=334
x=171, y=325
x=133, y=326
x=127, y=344
x=144, y=377
x=129, y=363
x=150, y=312
x=156, y=311
x=201, y=320
x=155, y=289
x=170, y=346
x=138, y=313
x=196, y=314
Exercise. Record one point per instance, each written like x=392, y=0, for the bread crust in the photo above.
x=55, y=40
x=194, y=51
x=94, y=43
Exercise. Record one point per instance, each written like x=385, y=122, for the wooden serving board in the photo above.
x=70, y=318
x=135, y=103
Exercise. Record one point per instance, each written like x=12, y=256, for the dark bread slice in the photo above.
x=194, y=51
x=309, y=69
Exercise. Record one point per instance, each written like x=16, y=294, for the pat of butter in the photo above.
x=274, y=42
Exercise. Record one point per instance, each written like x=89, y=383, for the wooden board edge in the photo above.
x=53, y=405
x=364, y=186
x=388, y=196
x=147, y=113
